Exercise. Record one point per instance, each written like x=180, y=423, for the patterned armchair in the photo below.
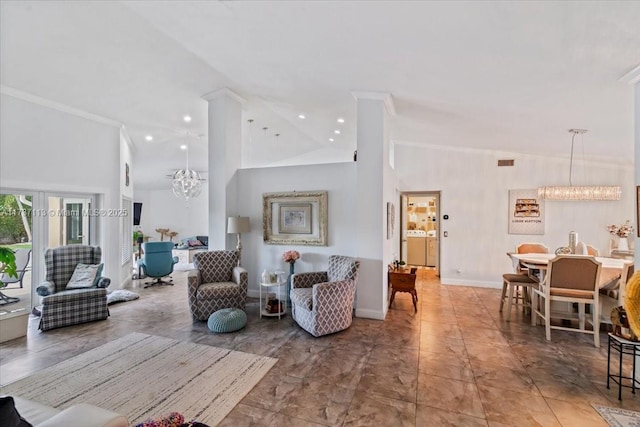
x=216, y=283
x=61, y=307
x=322, y=301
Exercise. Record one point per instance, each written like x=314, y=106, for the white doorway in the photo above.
x=420, y=229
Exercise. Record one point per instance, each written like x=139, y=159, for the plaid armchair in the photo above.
x=61, y=307
x=322, y=301
x=216, y=283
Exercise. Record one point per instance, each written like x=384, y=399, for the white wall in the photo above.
x=162, y=209
x=339, y=179
x=44, y=149
x=475, y=196
x=126, y=190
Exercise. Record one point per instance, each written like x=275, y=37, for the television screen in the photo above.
x=137, y=211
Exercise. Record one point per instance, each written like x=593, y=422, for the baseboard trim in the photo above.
x=127, y=283
x=370, y=314
x=475, y=283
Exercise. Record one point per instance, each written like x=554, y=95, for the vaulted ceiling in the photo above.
x=493, y=75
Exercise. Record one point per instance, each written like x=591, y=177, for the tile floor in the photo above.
x=455, y=362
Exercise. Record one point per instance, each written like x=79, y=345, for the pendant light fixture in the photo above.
x=186, y=182
x=572, y=192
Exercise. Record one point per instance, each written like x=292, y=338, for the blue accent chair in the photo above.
x=157, y=262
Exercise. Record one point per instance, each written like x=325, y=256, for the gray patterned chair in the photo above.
x=62, y=307
x=322, y=301
x=216, y=283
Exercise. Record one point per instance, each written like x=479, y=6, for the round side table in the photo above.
x=281, y=304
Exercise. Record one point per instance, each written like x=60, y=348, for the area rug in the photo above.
x=143, y=376
x=121, y=295
x=618, y=417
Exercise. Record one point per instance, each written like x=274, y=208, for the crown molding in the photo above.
x=386, y=97
x=632, y=77
x=225, y=91
x=593, y=161
x=43, y=102
x=127, y=139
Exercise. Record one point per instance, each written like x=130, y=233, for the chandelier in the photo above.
x=186, y=182
x=572, y=192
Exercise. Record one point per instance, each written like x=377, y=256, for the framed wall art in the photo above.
x=526, y=212
x=295, y=218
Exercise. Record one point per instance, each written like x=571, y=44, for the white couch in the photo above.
x=82, y=415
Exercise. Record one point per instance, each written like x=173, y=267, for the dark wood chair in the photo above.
x=403, y=282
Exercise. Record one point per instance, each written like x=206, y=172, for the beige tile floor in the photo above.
x=456, y=362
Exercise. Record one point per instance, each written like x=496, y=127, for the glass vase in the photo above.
x=623, y=244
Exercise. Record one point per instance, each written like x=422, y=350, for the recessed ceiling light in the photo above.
x=340, y=120
x=183, y=147
x=302, y=116
x=187, y=118
x=149, y=138
x=337, y=132
x=331, y=139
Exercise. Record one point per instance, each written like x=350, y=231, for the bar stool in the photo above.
x=623, y=346
x=511, y=283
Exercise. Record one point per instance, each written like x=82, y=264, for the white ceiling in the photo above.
x=496, y=75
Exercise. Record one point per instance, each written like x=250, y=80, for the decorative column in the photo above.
x=375, y=188
x=224, y=129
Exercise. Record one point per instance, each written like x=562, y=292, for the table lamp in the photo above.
x=238, y=225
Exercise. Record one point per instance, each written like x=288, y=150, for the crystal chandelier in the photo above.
x=187, y=183
x=572, y=192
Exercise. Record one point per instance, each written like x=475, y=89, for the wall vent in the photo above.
x=506, y=162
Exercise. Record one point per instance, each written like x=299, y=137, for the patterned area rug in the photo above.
x=143, y=376
x=617, y=417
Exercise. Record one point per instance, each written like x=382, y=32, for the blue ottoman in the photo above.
x=227, y=320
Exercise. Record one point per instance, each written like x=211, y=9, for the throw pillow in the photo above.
x=9, y=414
x=85, y=276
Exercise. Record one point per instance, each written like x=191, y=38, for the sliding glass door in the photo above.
x=16, y=233
x=32, y=221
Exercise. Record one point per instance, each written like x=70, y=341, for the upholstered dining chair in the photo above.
x=216, y=283
x=532, y=248
x=515, y=287
x=63, y=303
x=570, y=279
x=613, y=290
x=322, y=301
x=157, y=262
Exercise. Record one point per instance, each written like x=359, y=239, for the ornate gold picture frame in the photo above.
x=295, y=218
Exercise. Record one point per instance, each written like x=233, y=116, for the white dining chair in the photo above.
x=569, y=279
x=612, y=293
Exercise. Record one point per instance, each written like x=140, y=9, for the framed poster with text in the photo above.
x=526, y=212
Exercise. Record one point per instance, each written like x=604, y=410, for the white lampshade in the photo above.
x=238, y=225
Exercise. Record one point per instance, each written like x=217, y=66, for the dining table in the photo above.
x=612, y=268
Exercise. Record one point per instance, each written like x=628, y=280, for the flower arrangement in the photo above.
x=623, y=230
x=290, y=256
